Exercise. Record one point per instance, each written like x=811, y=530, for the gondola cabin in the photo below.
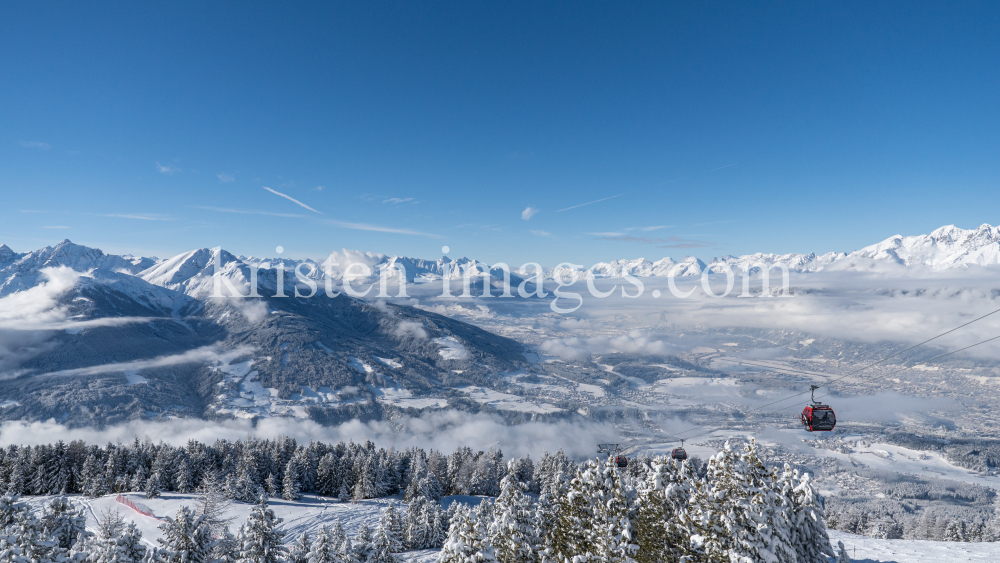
x=680, y=454
x=621, y=461
x=818, y=417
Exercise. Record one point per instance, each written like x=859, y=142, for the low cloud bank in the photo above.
x=443, y=431
x=205, y=354
x=632, y=342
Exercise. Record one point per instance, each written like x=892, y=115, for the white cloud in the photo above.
x=410, y=329
x=529, y=212
x=224, y=177
x=27, y=318
x=442, y=430
x=398, y=200
x=205, y=354
x=250, y=212
x=140, y=216
x=539, y=233
x=633, y=342
x=166, y=169
x=378, y=228
x=292, y=199
x=35, y=145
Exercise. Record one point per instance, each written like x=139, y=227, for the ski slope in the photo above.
x=868, y=550
x=307, y=514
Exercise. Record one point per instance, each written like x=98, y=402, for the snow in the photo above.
x=359, y=365
x=305, y=515
x=6, y=404
x=451, y=348
x=134, y=378
x=404, y=398
x=905, y=460
x=867, y=550
x=504, y=402
x=395, y=364
x=592, y=389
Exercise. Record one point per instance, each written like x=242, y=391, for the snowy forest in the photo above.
x=732, y=508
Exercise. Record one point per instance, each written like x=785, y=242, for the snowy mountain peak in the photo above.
x=7, y=255
x=178, y=272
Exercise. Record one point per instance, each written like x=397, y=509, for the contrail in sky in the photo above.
x=589, y=202
x=292, y=199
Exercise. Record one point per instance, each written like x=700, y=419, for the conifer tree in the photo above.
x=391, y=523
x=290, y=485
x=299, y=552
x=362, y=544
x=322, y=550
x=186, y=539
x=260, y=540
x=468, y=537
x=153, y=486
x=809, y=537
x=63, y=523
x=382, y=549
x=513, y=531
x=326, y=476
x=842, y=556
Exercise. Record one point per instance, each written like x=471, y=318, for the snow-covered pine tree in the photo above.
x=362, y=544
x=366, y=485
x=663, y=524
x=391, y=523
x=63, y=523
x=323, y=549
x=382, y=549
x=299, y=553
x=438, y=529
x=153, y=486
x=842, y=556
x=513, y=530
x=461, y=545
x=15, y=483
x=116, y=542
x=186, y=539
x=808, y=534
x=340, y=541
x=290, y=487
x=326, y=476
x=770, y=508
x=184, y=476
x=593, y=519
x=243, y=484
x=23, y=541
x=259, y=538
x=130, y=546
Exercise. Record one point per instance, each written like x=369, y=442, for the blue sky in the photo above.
x=706, y=128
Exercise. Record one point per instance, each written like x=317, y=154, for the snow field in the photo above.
x=308, y=514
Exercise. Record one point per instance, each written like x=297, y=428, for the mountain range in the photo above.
x=93, y=338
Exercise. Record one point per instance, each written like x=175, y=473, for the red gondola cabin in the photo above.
x=621, y=461
x=679, y=454
x=818, y=417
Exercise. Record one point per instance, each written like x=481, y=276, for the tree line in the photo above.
x=657, y=511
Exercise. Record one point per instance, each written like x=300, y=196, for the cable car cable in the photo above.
x=883, y=360
x=882, y=376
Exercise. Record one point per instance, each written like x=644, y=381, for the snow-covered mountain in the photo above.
x=946, y=248
x=21, y=271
